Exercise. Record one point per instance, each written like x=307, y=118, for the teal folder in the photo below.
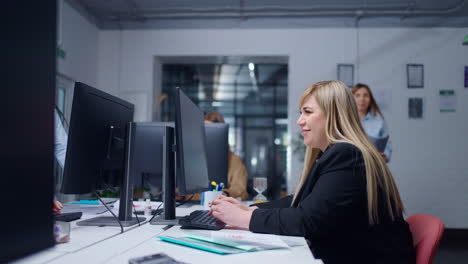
x=198, y=244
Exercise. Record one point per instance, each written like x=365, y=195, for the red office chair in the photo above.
x=427, y=231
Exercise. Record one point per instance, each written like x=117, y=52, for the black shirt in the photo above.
x=330, y=211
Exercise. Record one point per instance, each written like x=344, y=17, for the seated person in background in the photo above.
x=237, y=173
x=371, y=117
x=346, y=204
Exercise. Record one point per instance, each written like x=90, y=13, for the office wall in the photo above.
x=429, y=154
x=429, y=159
x=79, y=39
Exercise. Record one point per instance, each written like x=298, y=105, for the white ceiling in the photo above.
x=149, y=14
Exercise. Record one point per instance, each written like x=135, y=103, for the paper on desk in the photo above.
x=244, y=240
x=294, y=243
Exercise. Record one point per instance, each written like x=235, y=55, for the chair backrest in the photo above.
x=427, y=230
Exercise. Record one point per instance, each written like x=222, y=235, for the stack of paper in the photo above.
x=227, y=241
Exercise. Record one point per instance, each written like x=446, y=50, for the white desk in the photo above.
x=110, y=246
x=80, y=237
x=104, y=251
x=153, y=245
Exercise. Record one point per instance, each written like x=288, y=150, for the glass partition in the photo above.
x=252, y=97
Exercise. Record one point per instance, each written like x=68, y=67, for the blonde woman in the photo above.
x=346, y=204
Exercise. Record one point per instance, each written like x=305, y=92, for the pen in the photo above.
x=221, y=186
x=215, y=186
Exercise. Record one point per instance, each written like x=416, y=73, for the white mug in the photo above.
x=208, y=197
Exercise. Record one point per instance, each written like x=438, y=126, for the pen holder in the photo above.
x=208, y=197
x=61, y=231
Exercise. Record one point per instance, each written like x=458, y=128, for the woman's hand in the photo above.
x=230, y=200
x=384, y=156
x=232, y=212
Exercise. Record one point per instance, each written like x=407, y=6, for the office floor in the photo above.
x=453, y=248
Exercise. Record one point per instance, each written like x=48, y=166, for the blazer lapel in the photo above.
x=309, y=184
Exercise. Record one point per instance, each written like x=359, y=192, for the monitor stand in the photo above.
x=168, y=216
x=160, y=220
x=108, y=221
x=126, y=198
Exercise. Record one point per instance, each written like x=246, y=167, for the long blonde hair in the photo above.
x=342, y=125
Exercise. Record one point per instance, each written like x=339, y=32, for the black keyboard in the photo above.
x=200, y=219
x=68, y=217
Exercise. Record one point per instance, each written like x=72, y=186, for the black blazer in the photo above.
x=331, y=213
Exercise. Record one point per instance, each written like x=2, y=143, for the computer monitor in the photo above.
x=190, y=148
x=192, y=167
x=96, y=149
x=146, y=150
x=217, y=151
x=145, y=164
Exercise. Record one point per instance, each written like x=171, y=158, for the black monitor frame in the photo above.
x=217, y=152
x=190, y=146
x=98, y=138
x=145, y=153
x=190, y=152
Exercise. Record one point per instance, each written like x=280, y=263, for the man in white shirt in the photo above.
x=60, y=146
x=60, y=150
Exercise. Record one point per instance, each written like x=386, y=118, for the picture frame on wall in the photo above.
x=415, y=108
x=345, y=73
x=447, y=101
x=415, y=75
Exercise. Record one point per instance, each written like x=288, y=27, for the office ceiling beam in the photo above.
x=282, y=11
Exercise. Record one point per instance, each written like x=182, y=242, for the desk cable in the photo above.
x=156, y=213
x=185, y=200
x=108, y=209
x=136, y=216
